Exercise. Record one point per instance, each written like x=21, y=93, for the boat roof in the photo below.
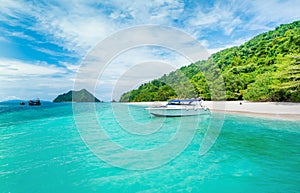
x=182, y=100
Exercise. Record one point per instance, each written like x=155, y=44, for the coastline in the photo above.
x=271, y=110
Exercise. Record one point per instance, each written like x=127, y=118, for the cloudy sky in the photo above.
x=43, y=43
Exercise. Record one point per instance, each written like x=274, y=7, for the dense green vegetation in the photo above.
x=266, y=68
x=76, y=96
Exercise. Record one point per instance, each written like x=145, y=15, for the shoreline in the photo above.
x=271, y=110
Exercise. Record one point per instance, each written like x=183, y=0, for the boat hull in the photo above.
x=166, y=112
x=34, y=103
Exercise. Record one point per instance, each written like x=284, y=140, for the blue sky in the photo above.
x=43, y=43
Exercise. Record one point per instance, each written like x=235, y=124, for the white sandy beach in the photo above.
x=273, y=110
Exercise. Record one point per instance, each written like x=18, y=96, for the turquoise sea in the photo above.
x=42, y=151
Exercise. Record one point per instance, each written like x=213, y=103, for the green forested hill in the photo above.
x=76, y=96
x=266, y=68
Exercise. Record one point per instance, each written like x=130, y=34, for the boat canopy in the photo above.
x=183, y=101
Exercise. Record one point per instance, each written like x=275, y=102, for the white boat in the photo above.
x=179, y=108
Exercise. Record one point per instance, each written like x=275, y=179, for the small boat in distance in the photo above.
x=180, y=108
x=36, y=102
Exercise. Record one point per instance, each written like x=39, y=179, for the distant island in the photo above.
x=265, y=68
x=76, y=96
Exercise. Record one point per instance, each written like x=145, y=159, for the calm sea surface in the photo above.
x=42, y=151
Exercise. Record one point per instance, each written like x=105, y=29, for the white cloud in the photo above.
x=237, y=42
x=71, y=67
x=148, y=12
x=10, y=98
x=26, y=80
x=239, y=20
x=275, y=11
x=138, y=64
x=259, y=15
x=11, y=68
x=265, y=15
x=52, y=52
x=3, y=39
x=219, y=17
x=21, y=35
x=78, y=26
x=74, y=26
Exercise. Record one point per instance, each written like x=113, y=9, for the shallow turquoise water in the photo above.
x=41, y=150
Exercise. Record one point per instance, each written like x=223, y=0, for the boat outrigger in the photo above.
x=179, y=108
